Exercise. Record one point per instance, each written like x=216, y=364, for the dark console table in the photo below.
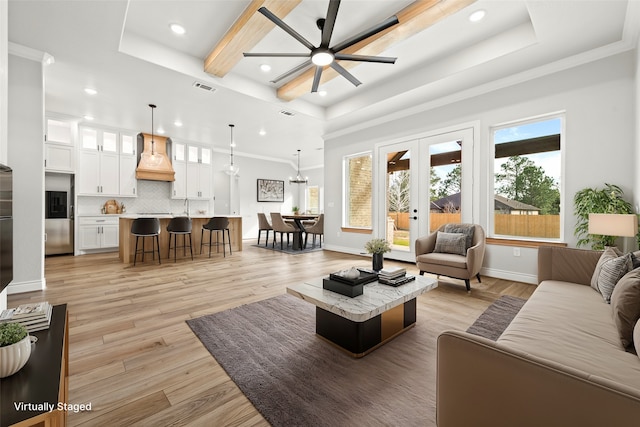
x=44, y=379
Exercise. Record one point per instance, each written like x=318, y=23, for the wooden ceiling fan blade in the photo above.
x=280, y=23
x=291, y=72
x=347, y=75
x=276, y=55
x=316, y=79
x=389, y=22
x=329, y=23
x=366, y=58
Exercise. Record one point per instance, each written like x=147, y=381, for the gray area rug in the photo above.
x=294, y=378
x=496, y=317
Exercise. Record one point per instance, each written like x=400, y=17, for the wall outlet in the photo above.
x=516, y=251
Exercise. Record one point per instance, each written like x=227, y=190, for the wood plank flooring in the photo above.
x=133, y=357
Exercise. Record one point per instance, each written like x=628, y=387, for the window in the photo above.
x=313, y=199
x=358, y=179
x=527, y=175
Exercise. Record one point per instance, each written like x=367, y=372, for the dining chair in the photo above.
x=279, y=226
x=316, y=229
x=263, y=225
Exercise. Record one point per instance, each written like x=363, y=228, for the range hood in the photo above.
x=153, y=162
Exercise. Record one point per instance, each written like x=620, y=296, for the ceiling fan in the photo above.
x=324, y=55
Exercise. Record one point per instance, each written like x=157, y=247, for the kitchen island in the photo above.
x=127, y=241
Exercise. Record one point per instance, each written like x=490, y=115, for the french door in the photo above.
x=423, y=183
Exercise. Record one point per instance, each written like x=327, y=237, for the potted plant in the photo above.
x=598, y=200
x=15, y=348
x=377, y=247
x=295, y=210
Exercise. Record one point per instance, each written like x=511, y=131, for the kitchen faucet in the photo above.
x=186, y=203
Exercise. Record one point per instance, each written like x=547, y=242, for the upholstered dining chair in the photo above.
x=279, y=226
x=453, y=250
x=263, y=225
x=316, y=229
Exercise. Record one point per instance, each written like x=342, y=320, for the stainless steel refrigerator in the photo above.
x=6, y=226
x=58, y=223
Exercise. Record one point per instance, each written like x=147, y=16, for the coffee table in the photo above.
x=360, y=325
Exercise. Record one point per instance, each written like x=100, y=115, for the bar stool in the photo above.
x=217, y=224
x=179, y=225
x=146, y=227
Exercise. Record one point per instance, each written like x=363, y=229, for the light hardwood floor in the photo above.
x=133, y=357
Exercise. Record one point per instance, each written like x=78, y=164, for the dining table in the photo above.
x=298, y=219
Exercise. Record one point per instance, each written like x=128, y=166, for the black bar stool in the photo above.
x=146, y=227
x=179, y=225
x=217, y=224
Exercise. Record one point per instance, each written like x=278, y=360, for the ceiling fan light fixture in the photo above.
x=322, y=57
x=265, y=68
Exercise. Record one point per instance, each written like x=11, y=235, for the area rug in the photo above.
x=289, y=249
x=496, y=317
x=270, y=350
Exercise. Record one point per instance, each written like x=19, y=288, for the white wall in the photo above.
x=26, y=157
x=598, y=99
x=636, y=198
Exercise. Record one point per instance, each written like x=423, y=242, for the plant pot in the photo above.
x=13, y=357
x=377, y=262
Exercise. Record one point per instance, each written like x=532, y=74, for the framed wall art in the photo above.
x=270, y=190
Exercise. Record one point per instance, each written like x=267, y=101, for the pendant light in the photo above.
x=231, y=169
x=154, y=158
x=299, y=179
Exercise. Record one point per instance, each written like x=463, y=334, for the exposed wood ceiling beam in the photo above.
x=244, y=34
x=414, y=18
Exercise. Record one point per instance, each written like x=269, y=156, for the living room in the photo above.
x=595, y=91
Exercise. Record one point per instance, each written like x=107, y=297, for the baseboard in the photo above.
x=30, y=286
x=345, y=249
x=509, y=275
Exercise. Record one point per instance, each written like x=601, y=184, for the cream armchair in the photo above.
x=449, y=264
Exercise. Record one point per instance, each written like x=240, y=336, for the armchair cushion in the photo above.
x=466, y=229
x=448, y=260
x=451, y=243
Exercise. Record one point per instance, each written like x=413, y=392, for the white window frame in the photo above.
x=346, y=190
x=491, y=177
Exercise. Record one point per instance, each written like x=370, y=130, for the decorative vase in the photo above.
x=377, y=262
x=13, y=357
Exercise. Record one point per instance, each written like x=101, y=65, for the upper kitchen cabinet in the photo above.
x=59, y=147
x=99, y=162
x=128, y=164
x=192, y=165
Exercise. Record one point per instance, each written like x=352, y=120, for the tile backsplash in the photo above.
x=153, y=196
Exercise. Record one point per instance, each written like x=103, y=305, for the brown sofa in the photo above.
x=559, y=363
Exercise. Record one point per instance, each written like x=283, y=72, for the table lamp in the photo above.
x=619, y=225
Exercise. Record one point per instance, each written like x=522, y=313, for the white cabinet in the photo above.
x=107, y=163
x=98, y=232
x=128, y=164
x=198, y=172
x=59, y=148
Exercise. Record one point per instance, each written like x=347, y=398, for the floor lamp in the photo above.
x=619, y=225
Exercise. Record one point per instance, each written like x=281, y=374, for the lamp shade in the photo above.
x=623, y=225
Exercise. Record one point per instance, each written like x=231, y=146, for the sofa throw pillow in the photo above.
x=467, y=229
x=611, y=272
x=608, y=254
x=450, y=243
x=625, y=302
x=636, y=338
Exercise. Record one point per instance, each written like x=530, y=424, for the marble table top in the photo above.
x=375, y=299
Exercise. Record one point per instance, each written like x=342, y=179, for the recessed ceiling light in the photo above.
x=177, y=123
x=265, y=68
x=160, y=131
x=322, y=92
x=87, y=117
x=90, y=91
x=477, y=16
x=177, y=28
x=262, y=132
